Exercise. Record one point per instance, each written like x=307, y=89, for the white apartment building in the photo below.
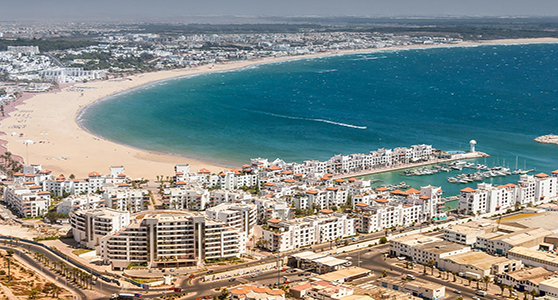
x=126, y=199
x=184, y=197
x=89, y=226
x=171, y=239
x=537, y=189
x=71, y=74
x=239, y=216
x=273, y=209
x=81, y=202
x=28, y=200
x=288, y=235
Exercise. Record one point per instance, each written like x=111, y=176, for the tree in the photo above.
x=33, y=294
x=510, y=289
x=431, y=263
x=469, y=278
x=383, y=240
x=486, y=280
x=224, y=294
x=384, y=273
x=502, y=288
x=10, y=252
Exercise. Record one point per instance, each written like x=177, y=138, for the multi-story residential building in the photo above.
x=537, y=189
x=89, y=226
x=273, y=209
x=28, y=200
x=171, y=238
x=183, y=197
x=81, y=202
x=124, y=198
x=239, y=216
x=288, y=235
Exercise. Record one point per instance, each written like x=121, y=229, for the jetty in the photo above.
x=547, y=139
x=404, y=166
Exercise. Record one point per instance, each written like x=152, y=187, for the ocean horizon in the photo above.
x=502, y=96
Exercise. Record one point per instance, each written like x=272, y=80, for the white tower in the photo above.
x=473, y=143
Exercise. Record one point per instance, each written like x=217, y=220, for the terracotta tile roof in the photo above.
x=352, y=179
x=29, y=175
x=269, y=184
x=274, y=221
x=331, y=188
x=541, y=175
x=467, y=190
x=94, y=174
x=326, y=211
x=275, y=168
x=413, y=191
x=312, y=192
x=179, y=173
x=382, y=189
x=424, y=197
x=181, y=183
x=121, y=175
x=299, y=175
x=18, y=174
x=203, y=170
x=43, y=193
x=381, y=200
x=290, y=180
x=361, y=204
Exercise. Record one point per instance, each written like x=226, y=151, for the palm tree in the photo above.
x=55, y=290
x=431, y=263
x=533, y=293
x=454, y=277
x=510, y=289
x=469, y=278
x=502, y=288
x=486, y=280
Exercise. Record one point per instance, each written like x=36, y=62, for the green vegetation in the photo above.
x=54, y=216
x=79, y=252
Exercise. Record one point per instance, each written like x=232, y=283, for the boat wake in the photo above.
x=313, y=120
x=327, y=71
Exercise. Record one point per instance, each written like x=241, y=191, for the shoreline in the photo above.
x=62, y=145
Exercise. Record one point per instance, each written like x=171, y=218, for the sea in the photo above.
x=502, y=96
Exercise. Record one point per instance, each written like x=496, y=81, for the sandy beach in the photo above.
x=59, y=144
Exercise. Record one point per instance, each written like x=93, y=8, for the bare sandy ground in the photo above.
x=49, y=120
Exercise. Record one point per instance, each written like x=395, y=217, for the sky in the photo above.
x=149, y=10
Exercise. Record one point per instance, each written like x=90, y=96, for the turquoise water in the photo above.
x=501, y=96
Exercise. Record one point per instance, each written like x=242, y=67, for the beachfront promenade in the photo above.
x=403, y=166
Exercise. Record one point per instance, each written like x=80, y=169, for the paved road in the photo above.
x=30, y=261
x=374, y=260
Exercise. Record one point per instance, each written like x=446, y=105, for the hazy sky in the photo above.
x=160, y=9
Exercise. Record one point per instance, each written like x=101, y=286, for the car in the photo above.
x=284, y=269
x=207, y=297
x=192, y=276
x=210, y=271
x=457, y=291
x=254, y=275
x=286, y=282
x=232, y=279
x=476, y=298
x=177, y=290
